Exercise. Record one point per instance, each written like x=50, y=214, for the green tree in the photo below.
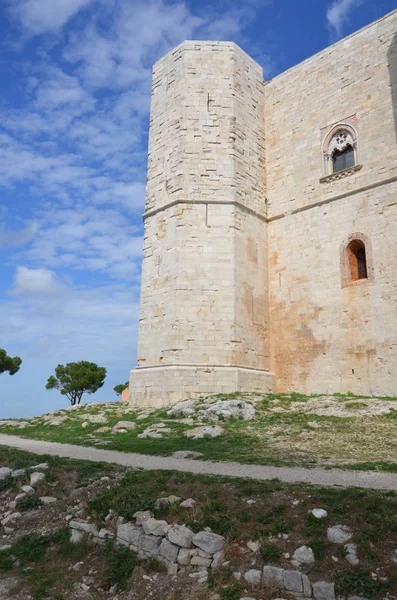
x=9, y=364
x=120, y=388
x=75, y=379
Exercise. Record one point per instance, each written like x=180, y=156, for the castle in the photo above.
x=270, y=244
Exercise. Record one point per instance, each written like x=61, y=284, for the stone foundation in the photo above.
x=160, y=386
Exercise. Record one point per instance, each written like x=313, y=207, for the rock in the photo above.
x=104, y=534
x=186, y=454
x=168, y=550
x=103, y=429
x=155, y=527
x=199, y=561
x=304, y=555
x=238, y=409
x=208, y=541
x=189, y=503
x=88, y=580
x=149, y=545
x=40, y=467
x=6, y=547
x=96, y=419
x=173, y=499
x=201, y=432
x=273, y=577
x=292, y=581
x=77, y=536
x=81, y=526
x=217, y=560
x=351, y=554
x=11, y=518
x=142, y=515
x=180, y=535
x=84, y=587
x=18, y=473
x=319, y=513
x=182, y=408
x=322, y=590
x=28, y=490
x=128, y=534
x=253, y=577
x=184, y=557
x=4, y=473
x=307, y=586
x=36, y=478
x=128, y=425
x=161, y=503
x=339, y=534
x=48, y=499
x=20, y=497
x=253, y=546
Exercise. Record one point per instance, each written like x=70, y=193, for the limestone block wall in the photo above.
x=326, y=337
x=204, y=295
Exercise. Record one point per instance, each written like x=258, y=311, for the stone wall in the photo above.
x=326, y=338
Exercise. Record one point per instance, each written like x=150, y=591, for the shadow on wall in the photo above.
x=392, y=66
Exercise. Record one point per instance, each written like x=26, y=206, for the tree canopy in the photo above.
x=7, y=363
x=120, y=388
x=75, y=379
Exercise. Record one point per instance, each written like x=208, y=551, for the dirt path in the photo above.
x=323, y=477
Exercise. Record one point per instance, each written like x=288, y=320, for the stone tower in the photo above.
x=203, y=324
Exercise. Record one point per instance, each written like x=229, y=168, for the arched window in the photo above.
x=356, y=260
x=340, y=151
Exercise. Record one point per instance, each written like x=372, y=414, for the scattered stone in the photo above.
x=351, y=554
x=104, y=534
x=303, y=555
x=238, y=409
x=6, y=547
x=173, y=499
x=36, y=478
x=128, y=425
x=322, y=590
x=28, y=490
x=4, y=473
x=186, y=454
x=77, y=536
x=201, y=432
x=11, y=518
x=18, y=473
x=307, y=586
x=48, y=499
x=103, y=429
x=142, y=515
x=253, y=577
x=208, y=541
x=81, y=526
x=96, y=419
x=319, y=513
x=161, y=503
x=339, y=534
x=182, y=408
x=180, y=535
x=189, y=503
x=128, y=534
x=88, y=580
x=217, y=560
x=292, y=581
x=20, y=497
x=253, y=546
x=40, y=467
x=155, y=527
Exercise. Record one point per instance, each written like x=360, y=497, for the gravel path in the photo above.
x=323, y=477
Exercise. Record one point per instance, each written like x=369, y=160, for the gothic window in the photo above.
x=356, y=260
x=340, y=151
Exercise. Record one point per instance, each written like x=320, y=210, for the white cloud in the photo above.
x=35, y=281
x=13, y=238
x=40, y=16
x=338, y=14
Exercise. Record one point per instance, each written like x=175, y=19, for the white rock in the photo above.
x=4, y=472
x=200, y=561
x=208, y=541
x=180, y=535
x=253, y=577
x=28, y=490
x=184, y=556
x=253, y=546
x=182, y=408
x=127, y=534
x=322, y=590
x=12, y=517
x=81, y=526
x=96, y=418
x=128, y=425
x=189, y=503
x=303, y=555
x=319, y=513
x=20, y=497
x=142, y=515
x=351, y=554
x=36, y=478
x=48, y=499
x=40, y=467
x=339, y=534
x=18, y=473
x=217, y=559
x=6, y=547
x=155, y=527
x=231, y=408
x=201, y=432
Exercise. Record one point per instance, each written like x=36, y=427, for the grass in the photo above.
x=289, y=429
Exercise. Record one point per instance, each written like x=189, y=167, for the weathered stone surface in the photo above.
x=208, y=541
x=4, y=472
x=292, y=581
x=319, y=513
x=184, y=556
x=36, y=478
x=48, y=499
x=128, y=534
x=273, y=576
x=128, y=425
x=339, y=534
x=322, y=590
x=11, y=518
x=253, y=546
x=77, y=536
x=18, y=473
x=238, y=409
x=81, y=526
x=104, y=534
x=40, y=467
x=189, y=503
x=142, y=515
x=253, y=577
x=351, y=554
x=150, y=544
x=200, y=561
x=307, y=586
x=155, y=527
x=180, y=535
x=206, y=430
x=304, y=555
x=218, y=559
x=169, y=550
x=28, y=490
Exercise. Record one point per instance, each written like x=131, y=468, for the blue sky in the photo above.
x=74, y=105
